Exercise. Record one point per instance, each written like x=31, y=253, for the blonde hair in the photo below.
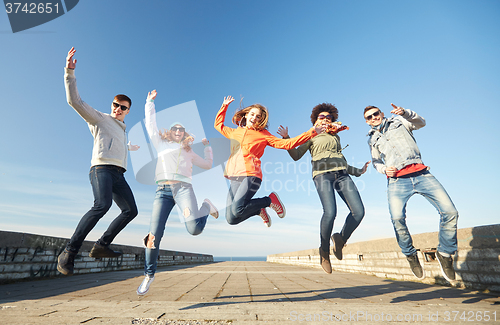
x=240, y=119
x=186, y=141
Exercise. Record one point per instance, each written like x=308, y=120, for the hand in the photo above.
x=152, y=95
x=132, y=147
x=227, y=100
x=365, y=167
x=205, y=142
x=70, y=63
x=283, y=131
x=391, y=171
x=319, y=127
x=397, y=110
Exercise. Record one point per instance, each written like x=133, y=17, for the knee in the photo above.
x=231, y=219
x=359, y=213
x=149, y=241
x=132, y=211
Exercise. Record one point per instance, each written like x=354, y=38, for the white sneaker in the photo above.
x=265, y=217
x=144, y=287
x=213, y=210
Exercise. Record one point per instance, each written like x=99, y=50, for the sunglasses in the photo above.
x=175, y=128
x=321, y=116
x=123, y=107
x=369, y=117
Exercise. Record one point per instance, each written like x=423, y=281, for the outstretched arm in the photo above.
x=412, y=120
x=221, y=116
x=209, y=158
x=89, y=114
x=150, y=118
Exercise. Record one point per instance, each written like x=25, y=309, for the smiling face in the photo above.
x=178, y=132
x=253, y=117
x=117, y=111
x=374, y=117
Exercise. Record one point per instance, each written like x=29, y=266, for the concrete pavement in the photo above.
x=241, y=293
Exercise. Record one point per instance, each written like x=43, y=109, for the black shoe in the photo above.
x=325, y=261
x=99, y=251
x=338, y=244
x=446, y=264
x=415, y=267
x=66, y=262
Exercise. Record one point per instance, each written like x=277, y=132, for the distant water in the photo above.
x=239, y=258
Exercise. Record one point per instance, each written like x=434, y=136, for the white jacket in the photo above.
x=174, y=162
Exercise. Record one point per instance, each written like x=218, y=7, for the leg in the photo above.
x=124, y=199
x=434, y=192
x=325, y=187
x=162, y=206
x=399, y=191
x=241, y=206
x=350, y=195
x=101, y=180
x=185, y=198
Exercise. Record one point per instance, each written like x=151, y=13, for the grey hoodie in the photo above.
x=110, y=139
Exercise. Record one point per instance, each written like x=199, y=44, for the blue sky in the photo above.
x=438, y=58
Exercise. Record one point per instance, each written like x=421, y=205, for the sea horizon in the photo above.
x=239, y=258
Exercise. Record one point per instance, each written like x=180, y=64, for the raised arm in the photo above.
x=89, y=114
x=150, y=118
x=412, y=120
x=221, y=116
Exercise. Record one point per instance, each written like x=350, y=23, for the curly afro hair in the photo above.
x=324, y=107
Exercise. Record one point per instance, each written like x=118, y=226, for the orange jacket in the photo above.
x=247, y=146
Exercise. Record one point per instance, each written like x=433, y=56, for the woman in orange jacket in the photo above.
x=248, y=142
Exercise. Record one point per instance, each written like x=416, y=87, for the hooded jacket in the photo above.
x=247, y=146
x=174, y=162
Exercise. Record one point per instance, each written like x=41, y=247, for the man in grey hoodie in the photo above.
x=109, y=162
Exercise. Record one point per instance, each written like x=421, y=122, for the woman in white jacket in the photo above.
x=173, y=176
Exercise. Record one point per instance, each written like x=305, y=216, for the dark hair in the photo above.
x=367, y=108
x=324, y=107
x=125, y=98
x=240, y=120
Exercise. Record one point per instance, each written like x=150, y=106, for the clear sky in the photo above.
x=438, y=58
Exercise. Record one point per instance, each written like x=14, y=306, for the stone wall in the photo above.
x=29, y=256
x=477, y=262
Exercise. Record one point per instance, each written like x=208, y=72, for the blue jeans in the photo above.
x=240, y=205
x=399, y=191
x=326, y=185
x=108, y=185
x=166, y=197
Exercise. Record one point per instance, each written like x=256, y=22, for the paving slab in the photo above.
x=241, y=293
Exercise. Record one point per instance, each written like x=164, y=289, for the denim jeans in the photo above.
x=108, y=185
x=166, y=197
x=399, y=191
x=240, y=205
x=326, y=185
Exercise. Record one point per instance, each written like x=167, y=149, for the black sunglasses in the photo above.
x=321, y=116
x=123, y=107
x=175, y=128
x=369, y=117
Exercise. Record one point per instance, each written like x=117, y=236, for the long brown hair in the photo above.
x=240, y=119
x=186, y=141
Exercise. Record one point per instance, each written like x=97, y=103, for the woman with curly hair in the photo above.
x=173, y=176
x=248, y=142
x=330, y=172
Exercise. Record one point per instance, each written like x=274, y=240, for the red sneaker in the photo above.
x=277, y=205
x=265, y=217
